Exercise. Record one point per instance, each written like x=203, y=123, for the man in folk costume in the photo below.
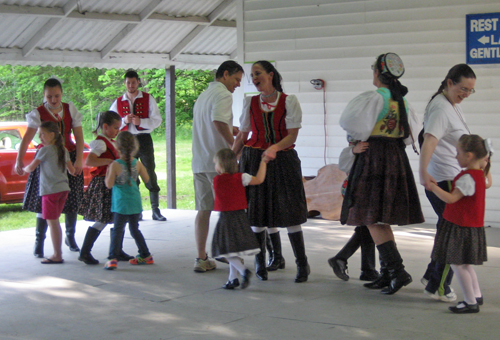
x=140, y=116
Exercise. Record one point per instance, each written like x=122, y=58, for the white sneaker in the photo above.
x=202, y=266
x=450, y=297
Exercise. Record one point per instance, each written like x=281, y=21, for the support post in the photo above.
x=170, y=136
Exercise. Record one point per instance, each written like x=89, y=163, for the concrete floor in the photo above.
x=168, y=300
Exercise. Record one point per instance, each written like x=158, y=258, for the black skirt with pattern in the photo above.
x=381, y=187
x=96, y=202
x=280, y=201
x=233, y=235
x=454, y=244
x=33, y=202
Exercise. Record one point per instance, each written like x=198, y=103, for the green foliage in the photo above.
x=93, y=90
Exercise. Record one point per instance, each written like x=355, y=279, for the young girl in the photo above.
x=69, y=120
x=460, y=239
x=96, y=203
x=126, y=200
x=233, y=236
x=53, y=159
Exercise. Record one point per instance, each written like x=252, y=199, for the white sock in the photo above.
x=258, y=229
x=233, y=273
x=99, y=226
x=294, y=229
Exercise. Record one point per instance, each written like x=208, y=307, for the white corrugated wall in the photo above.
x=338, y=40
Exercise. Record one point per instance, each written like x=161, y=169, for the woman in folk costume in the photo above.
x=274, y=119
x=70, y=121
x=381, y=189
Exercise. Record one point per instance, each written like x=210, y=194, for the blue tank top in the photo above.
x=126, y=198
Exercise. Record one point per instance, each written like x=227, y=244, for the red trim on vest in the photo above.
x=65, y=124
x=141, y=108
x=469, y=210
x=110, y=153
x=230, y=194
x=268, y=128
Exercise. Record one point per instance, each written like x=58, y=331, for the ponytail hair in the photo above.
x=478, y=146
x=106, y=117
x=50, y=126
x=128, y=146
x=455, y=74
x=268, y=67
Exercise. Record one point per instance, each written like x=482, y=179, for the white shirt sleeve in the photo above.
x=360, y=115
x=415, y=125
x=222, y=108
x=293, y=117
x=346, y=159
x=466, y=185
x=76, y=116
x=245, y=125
x=245, y=179
x=97, y=147
x=437, y=123
x=33, y=119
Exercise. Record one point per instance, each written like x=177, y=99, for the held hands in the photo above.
x=270, y=153
x=78, y=168
x=427, y=181
x=20, y=167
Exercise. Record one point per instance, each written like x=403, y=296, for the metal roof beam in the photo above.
x=41, y=57
x=199, y=29
x=35, y=40
x=146, y=12
x=125, y=18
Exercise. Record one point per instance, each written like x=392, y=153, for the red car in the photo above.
x=12, y=186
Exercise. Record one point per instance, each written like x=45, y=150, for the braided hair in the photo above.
x=52, y=127
x=128, y=146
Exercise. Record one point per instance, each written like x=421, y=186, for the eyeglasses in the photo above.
x=466, y=90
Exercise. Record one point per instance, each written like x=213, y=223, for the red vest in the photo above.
x=110, y=153
x=65, y=125
x=469, y=210
x=268, y=128
x=141, y=108
x=230, y=193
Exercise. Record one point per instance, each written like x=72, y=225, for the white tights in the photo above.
x=99, y=226
x=291, y=230
x=235, y=267
x=467, y=279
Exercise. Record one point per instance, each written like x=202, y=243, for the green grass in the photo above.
x=13, y=217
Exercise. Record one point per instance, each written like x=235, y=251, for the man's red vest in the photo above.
x=141, y=108
x=65, y=124
x=110, y=153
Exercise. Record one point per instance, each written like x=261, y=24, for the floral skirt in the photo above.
x=233, y=235
x=454, y=244
x=381, y=187
x=96, y=202
x=280, y=201
x=33, y=202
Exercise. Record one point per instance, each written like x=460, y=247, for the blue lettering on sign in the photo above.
x=483, y=38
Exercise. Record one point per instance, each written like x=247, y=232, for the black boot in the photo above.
x=90, y=237
x=260, y=258
x=154, y=197
x=399, y=277
x=70, y=220
x=339, y=261
x=368, y=271
x=383, y=280
x=276, y=260
x=299, y=250
x=269, y=247
x=40, y=231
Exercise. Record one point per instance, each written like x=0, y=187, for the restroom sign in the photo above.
x=483, y=38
